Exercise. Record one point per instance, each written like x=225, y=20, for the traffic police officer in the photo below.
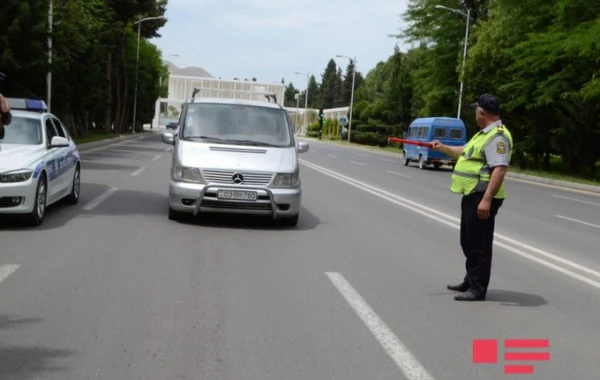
x=479, y=176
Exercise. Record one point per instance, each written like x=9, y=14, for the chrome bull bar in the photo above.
x=236, y=187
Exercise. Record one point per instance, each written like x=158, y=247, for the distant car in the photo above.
x=39, y=162
x=171, y=125
x=447, y=130
x=235, y=156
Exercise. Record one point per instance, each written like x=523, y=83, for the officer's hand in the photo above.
x=436, y=145
x=483, y=210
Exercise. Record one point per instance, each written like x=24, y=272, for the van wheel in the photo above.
x=406, y=160
x=291, y=221
x=175, y=215
x=422, y=164
x=437, y=165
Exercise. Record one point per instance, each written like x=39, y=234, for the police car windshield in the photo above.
x=237, y=124
x=23, y=130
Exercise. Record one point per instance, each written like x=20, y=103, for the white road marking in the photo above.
x=448, y=220
x=332, y=156
x=357, y=163
x=577, y=221
x=137, y=172
x=156, y=158
x=408, y=364
x=99, y=199
x=587, y=192
x=6, y=270
x=390, y=161
x=167, y=150
x=576, y=200
x=400, y=174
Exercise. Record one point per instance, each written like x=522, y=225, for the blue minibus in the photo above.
x=447, y=130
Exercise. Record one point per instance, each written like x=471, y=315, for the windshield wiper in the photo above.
x=252, y=142
x=209, y=138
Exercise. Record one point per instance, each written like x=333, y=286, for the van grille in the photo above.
x=226, y=177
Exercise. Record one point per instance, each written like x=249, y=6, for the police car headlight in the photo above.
x=186, y=174
x=16, y=176
x=287, y=179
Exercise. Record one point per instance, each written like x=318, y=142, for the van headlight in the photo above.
x=20, y=175
x=287, y=179
x=186, y=174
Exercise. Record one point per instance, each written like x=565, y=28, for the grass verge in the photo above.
x=556, y=164
x=95, y=136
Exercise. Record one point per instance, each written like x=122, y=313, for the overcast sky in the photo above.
x=271, y=39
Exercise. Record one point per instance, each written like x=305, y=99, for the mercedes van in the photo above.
x=235, y=156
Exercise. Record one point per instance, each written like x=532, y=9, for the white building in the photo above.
x=180, y=89
x=181, y=86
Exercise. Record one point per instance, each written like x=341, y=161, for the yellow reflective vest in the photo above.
x=471, y=172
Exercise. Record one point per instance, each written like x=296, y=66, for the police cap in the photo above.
x=489, y=103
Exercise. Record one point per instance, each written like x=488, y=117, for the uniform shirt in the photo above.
x=497, y=152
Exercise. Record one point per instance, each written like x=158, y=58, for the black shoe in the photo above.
x=469, y=296
x=459, y=288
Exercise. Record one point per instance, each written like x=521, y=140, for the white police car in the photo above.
x=39, y=162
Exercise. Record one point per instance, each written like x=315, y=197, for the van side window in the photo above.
x=439, y=133
x=424, y=132
x=456, y=134
x=414, y=132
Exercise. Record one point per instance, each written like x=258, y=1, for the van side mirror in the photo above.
x=302, y=147
x=168, y=138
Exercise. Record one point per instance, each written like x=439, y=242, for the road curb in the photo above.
x=555, y=182
x=97, y=144
x=524, y=177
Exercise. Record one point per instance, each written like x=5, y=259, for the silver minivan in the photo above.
x=235, y=156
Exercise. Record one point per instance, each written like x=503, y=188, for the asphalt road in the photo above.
x=111, y=289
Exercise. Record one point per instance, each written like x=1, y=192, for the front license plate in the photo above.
x=237, y=195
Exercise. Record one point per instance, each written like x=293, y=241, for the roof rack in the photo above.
x=25, y=104
x=268, y=95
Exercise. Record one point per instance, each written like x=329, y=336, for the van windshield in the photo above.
x=236, y=124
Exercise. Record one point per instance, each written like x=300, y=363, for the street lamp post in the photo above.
x=353, y=60
x=468, y=17
x=297, y=96
x=305, y=97
x=137, y=64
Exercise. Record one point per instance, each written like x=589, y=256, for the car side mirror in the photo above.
x=302, y=147
x=168, y=138
x=59, y=142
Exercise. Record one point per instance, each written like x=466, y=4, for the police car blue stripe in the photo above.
x=56, y=167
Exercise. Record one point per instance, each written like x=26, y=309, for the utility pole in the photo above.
x=49, y=74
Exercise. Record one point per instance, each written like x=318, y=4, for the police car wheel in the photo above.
x=73, y=198
x=36, y=217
